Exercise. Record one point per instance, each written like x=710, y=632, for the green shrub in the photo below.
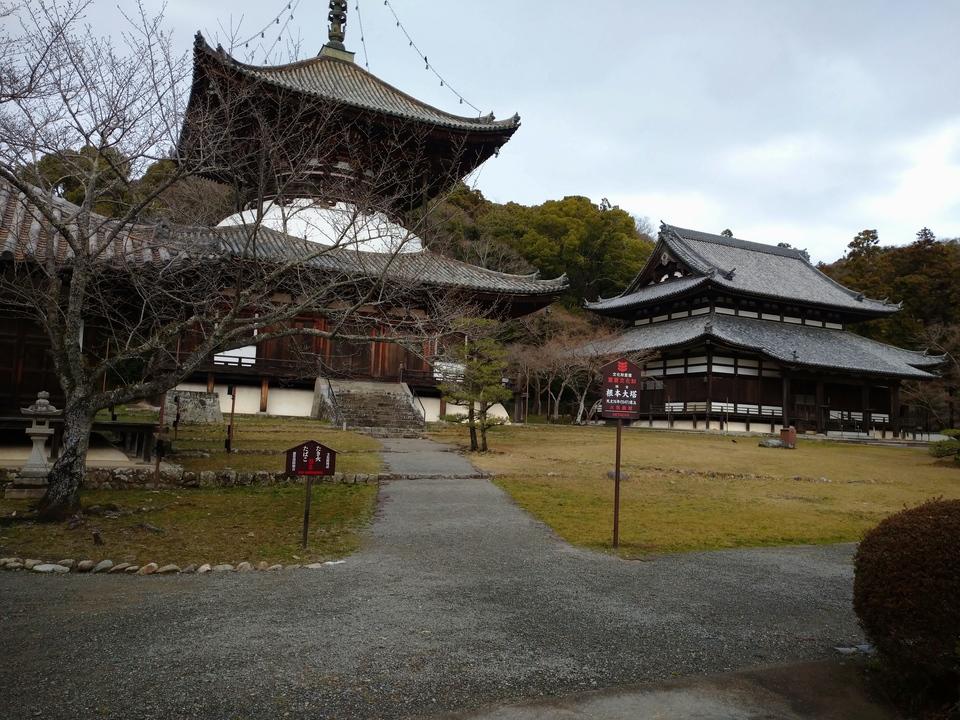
x=947, y=448
x=906, y=593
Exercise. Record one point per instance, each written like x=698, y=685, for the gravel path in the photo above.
x=459, y=600
x=426, y=458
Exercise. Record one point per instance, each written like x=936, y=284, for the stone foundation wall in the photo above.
x=195, y=407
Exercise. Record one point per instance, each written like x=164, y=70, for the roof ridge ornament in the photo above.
x=338, y=24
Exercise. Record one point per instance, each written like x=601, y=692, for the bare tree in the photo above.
x=131, y=309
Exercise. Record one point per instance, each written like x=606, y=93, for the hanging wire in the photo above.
x=291, y=9
x=363, y=41
x=285, y=13
x=426, y=62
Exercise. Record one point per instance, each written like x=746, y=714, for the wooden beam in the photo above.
x=821, y=420
x=786, y=399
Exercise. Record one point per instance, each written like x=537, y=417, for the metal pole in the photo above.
x=306, y=512
x=616, y=489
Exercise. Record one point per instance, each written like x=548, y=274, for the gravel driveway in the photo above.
x=459, y=600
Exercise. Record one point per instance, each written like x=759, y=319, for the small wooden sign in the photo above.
x=620, y=399
x=311, y=459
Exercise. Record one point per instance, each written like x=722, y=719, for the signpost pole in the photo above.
x=616, y=489
x=306, y=512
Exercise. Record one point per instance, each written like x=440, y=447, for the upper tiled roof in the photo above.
x=342, y=81
x=745, y=268
x=25, y=236
x=793, y=345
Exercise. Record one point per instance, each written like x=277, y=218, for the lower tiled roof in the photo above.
x=24, y=235
x=793, y=345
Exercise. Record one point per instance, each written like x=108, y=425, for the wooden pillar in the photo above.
x=865, y=406
x=895, y=407
x=443, y=407
x=709, y=387
x=210, y=382
x=264, y=393
x=786, y=399
x=821, y=411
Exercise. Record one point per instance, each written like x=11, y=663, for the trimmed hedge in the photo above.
x=906, y=591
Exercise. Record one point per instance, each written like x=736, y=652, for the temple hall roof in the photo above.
x=741, y=267
x=791, y=345
x=24, y=236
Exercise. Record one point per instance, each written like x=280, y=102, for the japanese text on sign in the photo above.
x=621, y=397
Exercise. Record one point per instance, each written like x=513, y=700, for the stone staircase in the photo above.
x=378, y=409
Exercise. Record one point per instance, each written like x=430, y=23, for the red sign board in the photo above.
x=311, y=459
x=621, y=390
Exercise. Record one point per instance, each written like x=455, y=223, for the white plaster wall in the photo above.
x=431, y=408
x=496, y=411
x=289, y=401
x=280, y=401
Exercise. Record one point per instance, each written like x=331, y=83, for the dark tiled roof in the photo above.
x=650, y=293
x=24, y=236
x=795, y=345
x=342, y=81
x=746, y=268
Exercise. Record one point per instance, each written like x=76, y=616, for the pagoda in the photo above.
x=747, y=336
x=316, y=151
x=327, y=129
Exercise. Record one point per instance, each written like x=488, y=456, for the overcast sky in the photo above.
x=786, y=121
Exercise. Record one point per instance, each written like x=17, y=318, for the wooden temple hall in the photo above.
x=746, y=336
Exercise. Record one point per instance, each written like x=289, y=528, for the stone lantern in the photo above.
x=31, y=481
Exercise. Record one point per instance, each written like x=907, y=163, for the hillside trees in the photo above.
x=599, y=246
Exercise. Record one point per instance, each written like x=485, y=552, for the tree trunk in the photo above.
x=66, y=476
x=581, y=409
x=472, y=423
x=483, y=427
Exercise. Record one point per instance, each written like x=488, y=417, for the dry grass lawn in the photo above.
x=198, y=526
x=696, y=492
x=269, y=438
x=217, y=524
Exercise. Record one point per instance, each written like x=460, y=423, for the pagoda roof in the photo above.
x=740, y=267
x=792, y=345
x=24, y=236
x=332, y=78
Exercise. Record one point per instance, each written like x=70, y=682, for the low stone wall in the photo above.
x=135, y=478
x=145, y=478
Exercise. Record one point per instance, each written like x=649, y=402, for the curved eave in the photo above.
x=736, y=332
x=431, y=116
